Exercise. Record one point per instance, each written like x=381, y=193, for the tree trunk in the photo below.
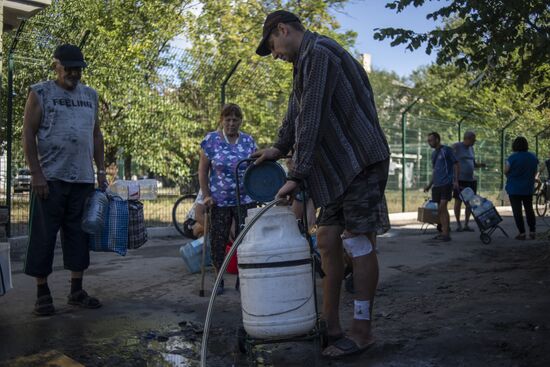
x=128, y=167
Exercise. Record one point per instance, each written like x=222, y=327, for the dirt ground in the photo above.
x=460, y=303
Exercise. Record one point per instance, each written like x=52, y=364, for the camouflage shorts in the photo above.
x=362, y=208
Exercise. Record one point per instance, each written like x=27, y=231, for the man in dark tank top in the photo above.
x=61, y=141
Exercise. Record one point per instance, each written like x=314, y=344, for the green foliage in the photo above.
x=229, y=31
x=158, y=101
x=502, y=42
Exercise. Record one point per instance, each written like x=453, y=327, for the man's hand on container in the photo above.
x=287, y=191
x=270, y=154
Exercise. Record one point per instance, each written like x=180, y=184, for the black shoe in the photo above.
x=44, y=306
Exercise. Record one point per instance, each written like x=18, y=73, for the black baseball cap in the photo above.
x=70, y=56
x=271, y=21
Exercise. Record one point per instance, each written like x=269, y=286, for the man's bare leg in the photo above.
x=365, y=279
x=330, y=247
x=444, y=217
x=458, y=205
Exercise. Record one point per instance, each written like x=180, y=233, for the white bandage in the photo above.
x=357, y=246
x=361, y=310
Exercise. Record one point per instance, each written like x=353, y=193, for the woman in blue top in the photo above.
x=221, y=151
x=520, y=169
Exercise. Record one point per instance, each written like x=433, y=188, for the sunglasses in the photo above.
x=72, y=69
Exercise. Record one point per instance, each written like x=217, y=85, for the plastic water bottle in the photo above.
x=95, y=212
x=467, y=194
x=486, y=205
x=147, y=189
x=135, y=189
x=432, y=205
x=475, y=201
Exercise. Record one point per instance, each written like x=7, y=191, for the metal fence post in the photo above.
x=502, y=149
x=537, y=140
x=9, y=123
x=403, y=143
x=9, y=127
x=224, y=83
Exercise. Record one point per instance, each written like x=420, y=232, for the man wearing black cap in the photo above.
x=61, y=139
x=342, y=155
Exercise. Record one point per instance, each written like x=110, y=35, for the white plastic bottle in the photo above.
x=147, y=189
x=135, y=189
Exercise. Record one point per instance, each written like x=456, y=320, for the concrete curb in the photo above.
x=19, y=243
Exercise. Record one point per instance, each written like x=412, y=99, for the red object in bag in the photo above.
x=232, y=267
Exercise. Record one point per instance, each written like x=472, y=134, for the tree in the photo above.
x=227, y=31
x=125, y=55
x=498, y=41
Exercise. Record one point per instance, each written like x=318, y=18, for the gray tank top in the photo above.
x=65, y=138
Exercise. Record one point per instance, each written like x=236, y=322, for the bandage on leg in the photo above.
x=357, y=246
x=361, y=310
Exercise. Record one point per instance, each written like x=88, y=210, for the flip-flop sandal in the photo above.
x=334, y=338
x=82, y=299
x=348, y=347
x=44, y=306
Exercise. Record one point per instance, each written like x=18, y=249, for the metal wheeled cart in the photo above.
x=487, y=221
x=319, y=334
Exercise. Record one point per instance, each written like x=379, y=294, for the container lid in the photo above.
x=263, y=181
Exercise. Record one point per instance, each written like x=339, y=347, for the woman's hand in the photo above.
x=208, y=201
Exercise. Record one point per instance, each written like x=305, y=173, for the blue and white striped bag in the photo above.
x=114, y=237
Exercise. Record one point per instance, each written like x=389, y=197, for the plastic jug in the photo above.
x=95, y=212
x=191, y=254
x=135, y=189
x=475, y=201
x=467, y=194
x=275, y=277
x=432, y=205
x=486, y=205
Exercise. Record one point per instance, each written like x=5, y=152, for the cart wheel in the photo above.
x=241, y=340
x=485, y=238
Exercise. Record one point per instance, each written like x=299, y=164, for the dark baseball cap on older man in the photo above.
x=69, y=56
x=271, y=22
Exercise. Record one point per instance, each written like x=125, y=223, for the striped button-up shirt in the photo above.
x=331, y=121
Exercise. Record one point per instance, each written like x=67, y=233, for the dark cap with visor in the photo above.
x=271, y=21
x=70, y=56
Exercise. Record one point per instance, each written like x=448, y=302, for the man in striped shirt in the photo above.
x=341, y=154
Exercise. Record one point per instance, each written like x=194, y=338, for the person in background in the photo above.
x=221, y=150
x=444, y=179
x=61, y=141
x=464, y=153
x=520, y=170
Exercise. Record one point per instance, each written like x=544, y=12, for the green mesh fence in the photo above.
x=178, y=101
